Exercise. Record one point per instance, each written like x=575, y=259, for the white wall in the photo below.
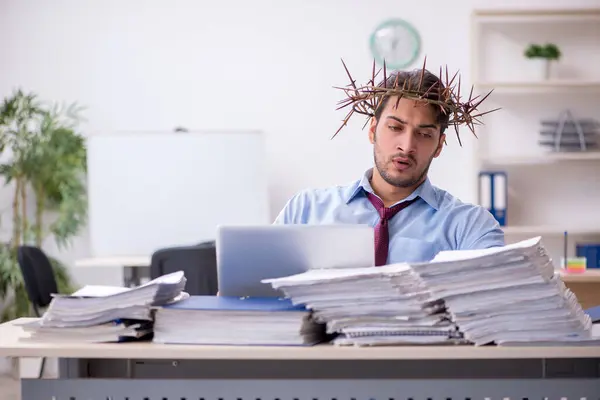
x=268, y=65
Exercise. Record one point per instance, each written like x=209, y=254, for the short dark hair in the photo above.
x=410, y=80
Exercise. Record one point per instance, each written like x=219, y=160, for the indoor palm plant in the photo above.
x=44, y=162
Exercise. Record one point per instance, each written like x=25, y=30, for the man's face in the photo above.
x=406, y=139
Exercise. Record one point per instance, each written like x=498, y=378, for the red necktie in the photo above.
x=381, y=229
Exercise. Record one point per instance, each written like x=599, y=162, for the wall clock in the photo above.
x=397, y=42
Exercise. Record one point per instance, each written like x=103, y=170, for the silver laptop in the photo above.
x=248, y=254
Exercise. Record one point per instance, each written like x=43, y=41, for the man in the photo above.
x=406, y=134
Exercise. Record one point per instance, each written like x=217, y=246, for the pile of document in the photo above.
x=219, y=320
x=372, y=306
x=106, y=313
x=508, y=295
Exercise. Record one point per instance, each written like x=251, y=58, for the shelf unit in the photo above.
x=542, y=159
x=589, y=276
x=551, y=231
x=548, y=192
x=537, y=16
x=550, y=86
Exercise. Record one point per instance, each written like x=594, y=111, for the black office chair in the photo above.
x=198, y=263
x=39, y=280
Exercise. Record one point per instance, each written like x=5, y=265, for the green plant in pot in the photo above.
x=544, y=55
x=44, y=160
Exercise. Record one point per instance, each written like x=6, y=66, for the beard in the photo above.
x=384, y=166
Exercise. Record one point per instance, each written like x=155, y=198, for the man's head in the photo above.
x=407, y=134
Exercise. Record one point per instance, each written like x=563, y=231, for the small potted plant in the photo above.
x=543, y=55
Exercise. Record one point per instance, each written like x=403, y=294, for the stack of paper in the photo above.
x=216, y=320
x=116, y=331
x=506, y=295
x=106, y=313
x=371, y=306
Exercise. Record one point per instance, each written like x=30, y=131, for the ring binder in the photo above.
x=493, y=194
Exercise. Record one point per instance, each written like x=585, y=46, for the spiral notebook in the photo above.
x=447, y=332
x=378, y=337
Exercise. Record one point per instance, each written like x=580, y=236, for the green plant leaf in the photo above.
x=48, y=155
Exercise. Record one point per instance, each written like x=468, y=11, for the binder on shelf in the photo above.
x=590, y=252
x=493, y=194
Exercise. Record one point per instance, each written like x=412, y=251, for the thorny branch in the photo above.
x=365, y=99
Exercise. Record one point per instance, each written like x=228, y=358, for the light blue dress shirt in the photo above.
x=436, y=221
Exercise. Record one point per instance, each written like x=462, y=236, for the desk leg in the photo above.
x=133, y=275
x=73, y=368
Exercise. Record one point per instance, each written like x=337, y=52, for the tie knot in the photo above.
x=387, y=213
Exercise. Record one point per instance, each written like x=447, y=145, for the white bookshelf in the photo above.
x=551, y=86
x=548, y=192
x=525, y=16
x=551, y=231
x=533, y=160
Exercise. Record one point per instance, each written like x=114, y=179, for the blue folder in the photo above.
x=493, y=194
x=222, y=303
x=594, y=313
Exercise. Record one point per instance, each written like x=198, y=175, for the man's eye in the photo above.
x=394, y=127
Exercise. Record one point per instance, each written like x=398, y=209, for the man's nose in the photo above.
x=407, y=142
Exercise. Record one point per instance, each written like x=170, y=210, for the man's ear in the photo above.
x=438, y=151
x=372, y=129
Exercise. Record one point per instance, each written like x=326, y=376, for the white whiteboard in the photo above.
x=153, y=190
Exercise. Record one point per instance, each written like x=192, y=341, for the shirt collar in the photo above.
x=425, y=191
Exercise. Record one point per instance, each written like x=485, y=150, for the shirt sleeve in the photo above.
x=292, y=212
x=480, y=230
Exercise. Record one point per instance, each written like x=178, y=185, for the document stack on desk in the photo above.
x=507, y=296
x=106, y=313
x=372, y=306
x=218, y=320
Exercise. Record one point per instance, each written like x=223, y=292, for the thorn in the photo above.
x=422, y=73
x=384, y=75
x=366, y=122
x=349, y=76
x=457, y=135
x=481, y=101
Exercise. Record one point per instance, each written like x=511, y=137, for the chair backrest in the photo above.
x=38, y=275
x=198, y=263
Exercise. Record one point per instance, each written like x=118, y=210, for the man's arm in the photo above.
x=478, y=229
x=293, y=211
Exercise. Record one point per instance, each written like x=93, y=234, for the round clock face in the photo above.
x=397, y=42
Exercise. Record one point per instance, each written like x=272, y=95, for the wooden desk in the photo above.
x=154, y=371
x=586, y=286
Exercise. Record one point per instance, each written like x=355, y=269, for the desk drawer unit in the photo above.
x=560, y=379
x=560, y=389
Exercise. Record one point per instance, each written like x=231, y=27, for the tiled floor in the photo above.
x=9, y=389
x=29, y=368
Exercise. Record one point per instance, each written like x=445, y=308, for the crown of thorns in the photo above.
x=446, y=95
